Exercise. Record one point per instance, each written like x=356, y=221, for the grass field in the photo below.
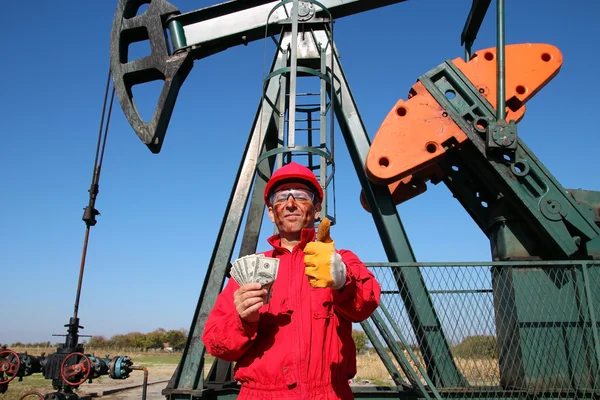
x=161, y=365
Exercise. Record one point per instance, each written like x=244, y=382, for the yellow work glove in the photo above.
x=323, y=265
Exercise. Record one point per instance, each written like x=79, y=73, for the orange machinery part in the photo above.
x=411, y=186
x=417, y=132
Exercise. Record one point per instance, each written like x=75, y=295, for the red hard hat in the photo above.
x=290, y=172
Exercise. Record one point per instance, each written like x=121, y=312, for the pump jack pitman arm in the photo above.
x=447, y=131
x=194, y=35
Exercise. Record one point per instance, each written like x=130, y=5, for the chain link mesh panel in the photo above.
x=516, y=330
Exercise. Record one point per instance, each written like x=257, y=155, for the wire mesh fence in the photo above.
x=509, y=328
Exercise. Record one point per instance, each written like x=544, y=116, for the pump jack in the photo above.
x=478, y=155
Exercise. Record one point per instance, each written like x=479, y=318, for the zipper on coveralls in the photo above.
x=301, y=360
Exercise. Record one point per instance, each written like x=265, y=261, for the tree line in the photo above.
x=477, y=347
x=157, y=339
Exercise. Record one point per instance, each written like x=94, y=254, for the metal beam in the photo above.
x=216, y=28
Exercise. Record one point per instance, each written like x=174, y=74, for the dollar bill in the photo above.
x=265, y=274
x=266, y=270
x=249, y=267
x=237, y=272
x=256, y=268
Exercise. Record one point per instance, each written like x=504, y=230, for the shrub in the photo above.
x=360, y=341
x=477, y=347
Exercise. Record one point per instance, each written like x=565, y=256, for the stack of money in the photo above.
x=256, y=268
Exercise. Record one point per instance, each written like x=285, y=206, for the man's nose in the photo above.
x=291, y=202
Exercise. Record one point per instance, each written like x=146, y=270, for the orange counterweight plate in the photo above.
x=417, y=132
x=528, y=68
x=412, y=136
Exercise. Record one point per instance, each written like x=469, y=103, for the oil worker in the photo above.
x=299, y=344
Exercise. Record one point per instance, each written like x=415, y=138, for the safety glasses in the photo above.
x=299, y=195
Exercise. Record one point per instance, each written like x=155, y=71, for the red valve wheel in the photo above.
x=84, y=367
x=41, y=396
x=8, y=367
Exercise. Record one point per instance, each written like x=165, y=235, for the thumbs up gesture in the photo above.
x=323, y=265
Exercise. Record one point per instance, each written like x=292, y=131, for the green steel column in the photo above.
x=293, y=77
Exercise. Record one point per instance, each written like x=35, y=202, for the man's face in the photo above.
x=293, y=214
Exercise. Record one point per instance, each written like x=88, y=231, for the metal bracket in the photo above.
x=502, y=135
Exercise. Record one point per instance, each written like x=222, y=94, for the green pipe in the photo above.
x=501, y=100
x=178, y=40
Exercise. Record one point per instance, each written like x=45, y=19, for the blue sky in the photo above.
x=149, y=252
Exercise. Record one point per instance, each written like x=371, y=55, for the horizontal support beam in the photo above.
x=216, y=28
x=516, y=264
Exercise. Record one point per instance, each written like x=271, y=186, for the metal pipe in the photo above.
x=293, y=77
x=81, y=270
x=501, y=100
x=145, y=384
x=177, y=34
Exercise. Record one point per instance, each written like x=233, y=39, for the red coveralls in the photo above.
x=301, y=347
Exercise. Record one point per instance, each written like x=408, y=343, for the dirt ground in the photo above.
x=131, y=388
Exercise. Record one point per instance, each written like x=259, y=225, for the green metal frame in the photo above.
x=557, y=221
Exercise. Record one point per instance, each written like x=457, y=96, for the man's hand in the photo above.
x=323, y=265
x=248, y=299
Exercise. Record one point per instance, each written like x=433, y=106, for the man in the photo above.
x=299, y=345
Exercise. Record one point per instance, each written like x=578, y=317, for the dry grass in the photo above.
x=370, y=367
x=476, y=372
x=479, y=372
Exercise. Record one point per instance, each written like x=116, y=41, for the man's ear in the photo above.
x=317, y=210
x=271, y=214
